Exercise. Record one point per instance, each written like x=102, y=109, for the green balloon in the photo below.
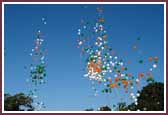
x=156, y=62
x=44, y=74
x=119, y=84
x=115, y=67
x=140, y=61
x=110, y=49
x=106, y=90
x=138, y=38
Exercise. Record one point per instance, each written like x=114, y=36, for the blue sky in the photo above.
x=66, y=88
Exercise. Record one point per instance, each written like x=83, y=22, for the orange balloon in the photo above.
x=117, y=79
x=92, y=64
x=156, y=58
x=150, y=59
x=110, y=80
x=113, y=85
x=123, y=68
x=125, y=82
x=98, y=70
x=140, y=75
x=95, y=67
x=101, y=20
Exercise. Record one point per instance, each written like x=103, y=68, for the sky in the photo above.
x=66, y=88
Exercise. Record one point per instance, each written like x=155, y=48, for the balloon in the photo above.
x=138, y=38
x=140, y=75
x=150, y=59
x=113, y=85
x=140, y=61
x=134, y=47
x=108, y=70
x=156, y=58
x=154, y=65
x=37, y=68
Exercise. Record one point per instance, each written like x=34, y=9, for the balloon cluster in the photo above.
x=37, y=68
x=102, y=65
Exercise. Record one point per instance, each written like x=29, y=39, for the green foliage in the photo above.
x=105, y=108
x=132, y=107
x=18, y=102
x=91, y=109
x=121, y=106
x=151, y=98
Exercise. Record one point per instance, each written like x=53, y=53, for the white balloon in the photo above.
x=122, y=75
x=136, y=103
x=137, y=80
x=154, y=65
x=138, y=94
x=43, y=19
x=86, y=75
x=121, y=64
x=115, y=75
x=80, y=43
x=132, y=94
x=115, y=57
x=150, y=69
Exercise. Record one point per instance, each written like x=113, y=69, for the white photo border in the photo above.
x=163, y=3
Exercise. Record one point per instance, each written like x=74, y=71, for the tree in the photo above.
x=151, y=98
x=132, y=107
x=105, y=108
x=121, y=106
x=18, y=102
x=91, y=109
